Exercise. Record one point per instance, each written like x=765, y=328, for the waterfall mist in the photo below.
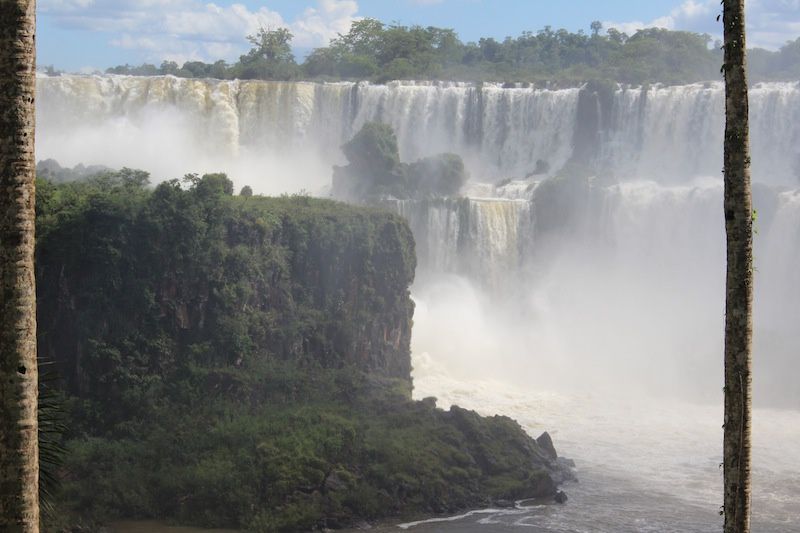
x=627, y=289
x=592, y=308
x=170, y=127
x=618, y=280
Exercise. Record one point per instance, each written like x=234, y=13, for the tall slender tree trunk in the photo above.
x=739, y=281
x=19, y=449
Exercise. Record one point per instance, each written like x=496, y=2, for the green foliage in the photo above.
x=781, y=65
x=52, y=425
x=437, y=176
x=271, y=45
x=210, y=185
x=375, y=170
x=270, y=58
x=373, y=148
x=667, y=56
x=231, y=361
x=145, y=69
x=379, y=52
x=50, y=169
x=140, y=284
x=286, y=448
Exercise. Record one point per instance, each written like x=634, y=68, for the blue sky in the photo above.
x=95, y=34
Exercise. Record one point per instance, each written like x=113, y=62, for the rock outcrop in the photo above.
x=244, y=362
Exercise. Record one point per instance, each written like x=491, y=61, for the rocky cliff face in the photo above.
x=354, y=267
x=244, y=362
x=162, y=280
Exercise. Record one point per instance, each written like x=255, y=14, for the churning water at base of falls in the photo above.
x=644, y=463
x=596, y=315
x=608, y=334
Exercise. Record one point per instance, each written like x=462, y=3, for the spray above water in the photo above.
x=590, y=280
x=603, y=294
x=667, y=134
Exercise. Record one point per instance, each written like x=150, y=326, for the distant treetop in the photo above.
x=374, y=51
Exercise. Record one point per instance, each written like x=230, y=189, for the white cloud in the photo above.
x=773, y=22
x=63, y=5
x=691, y=15
x=319, y=25
x=770, y=23
x=181, y=30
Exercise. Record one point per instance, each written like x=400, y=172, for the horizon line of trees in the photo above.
x=378, y=52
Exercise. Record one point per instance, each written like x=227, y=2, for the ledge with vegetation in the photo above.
x=240, y=361
x=372, y=50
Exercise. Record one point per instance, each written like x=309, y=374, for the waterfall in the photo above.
x=484, y=239
x=777, y=299
x=499, y=132
x=284, y=136
x=667, y=134
x=672, y=134
x=610, y=286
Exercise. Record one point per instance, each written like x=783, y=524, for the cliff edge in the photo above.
x=240, y=361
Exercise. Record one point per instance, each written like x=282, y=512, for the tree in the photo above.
x=375, y=170
x=270, y=58
x=19, y=449
x=374, y=165
x=272, y=45
x=739, y=280
x=364, y=38
x=168, y=67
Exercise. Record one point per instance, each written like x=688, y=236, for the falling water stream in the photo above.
x=599, y=321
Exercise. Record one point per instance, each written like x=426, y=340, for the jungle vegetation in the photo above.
x=240, y=361
x=379, y=52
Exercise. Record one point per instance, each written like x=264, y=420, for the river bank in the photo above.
x=154, y=526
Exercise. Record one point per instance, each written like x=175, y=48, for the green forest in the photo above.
x=241, y=361
x=380, y=52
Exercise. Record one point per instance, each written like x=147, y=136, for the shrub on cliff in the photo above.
x=437, y=176
x=374, y=165
x=138, y=284
x=375, y=171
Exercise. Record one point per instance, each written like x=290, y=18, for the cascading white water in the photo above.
x=673, y=134
x=437, y=227
x=614, y=345
x=612, y=296
x=284, y=137
x=668, y=134
x=498, y=131
x=481, y=238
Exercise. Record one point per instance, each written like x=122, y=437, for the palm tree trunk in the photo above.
x=19, y=450
x=739, y=281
